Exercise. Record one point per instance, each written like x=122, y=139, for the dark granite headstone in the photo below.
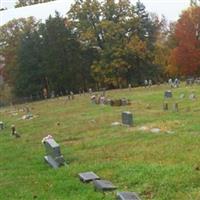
x=168, y=94
x=1, y=125
x=104, y=185
x=127, y=118
x=127, y=196
x=175, y=107
x=53, y=157
x=88, y=176
x=165, y=106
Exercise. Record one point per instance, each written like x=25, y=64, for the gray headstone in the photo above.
x=127, y=196
x=53, y=157
x=168, y=94
x=1, y=125
x=104, y=185
x=182, y=96
x=88, y=176
x=127, y=118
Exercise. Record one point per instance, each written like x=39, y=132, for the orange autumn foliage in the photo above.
x=185, y=58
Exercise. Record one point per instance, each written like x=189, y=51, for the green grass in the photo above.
x=159, y=166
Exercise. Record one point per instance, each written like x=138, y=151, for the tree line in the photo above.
x=98, y=44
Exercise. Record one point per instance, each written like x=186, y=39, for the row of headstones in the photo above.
x=106, y=101
x=168, y=94
x=55, y=159
x=105, y=185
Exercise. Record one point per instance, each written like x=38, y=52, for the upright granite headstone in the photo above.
x=127, y=196
x=175, y=107
x=1, y=125
x=53, y=155
x=168, y=94
x=165, y=106
x=127, y=118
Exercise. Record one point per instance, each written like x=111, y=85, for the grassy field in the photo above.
x=159, y=166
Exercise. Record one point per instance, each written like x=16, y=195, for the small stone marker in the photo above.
x=53, y=157
x=127, y=118
x=192, y=96
x=168, y=94
x=175, y=107
x=88, y=176
x=1, y=125
x=165, y=106
x=104, y=185
x=127, y=196
x=182, y=96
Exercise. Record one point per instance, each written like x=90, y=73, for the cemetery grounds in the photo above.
x=158, y=165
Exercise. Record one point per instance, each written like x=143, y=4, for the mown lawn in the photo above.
x=159, y=166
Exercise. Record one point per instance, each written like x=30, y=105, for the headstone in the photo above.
x=127, y=118
x=1, y=125
x=182, y=96
x=116, y=102
x=192, y=96
x=104, y=185
x=53, y=155
x=175, y=107
x=127, y=196
x=13, y=129
x=165, y=106
x=88, y=176
x=168, y=94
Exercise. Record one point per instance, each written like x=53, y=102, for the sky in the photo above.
x=171, y=9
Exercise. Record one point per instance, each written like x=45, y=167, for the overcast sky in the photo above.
x=171, y=9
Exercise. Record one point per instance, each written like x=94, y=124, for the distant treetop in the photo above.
x=22, y=3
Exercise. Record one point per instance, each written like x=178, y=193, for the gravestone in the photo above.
x=103, y=185
x=192, y=96
x=127, y=196
x=175, y=107
x=127, y=118
x=182, y=96
x=53, y=155
x=165, y=106
x=168, y=94
x=1, y=125
x=88, y=176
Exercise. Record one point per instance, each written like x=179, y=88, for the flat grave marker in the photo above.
x=88, y=176
x=127, y=196
x=104, y=185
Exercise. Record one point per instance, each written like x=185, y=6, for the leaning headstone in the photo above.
x=175, y=107
x=165, y=106
x=127, y=118
x=53, y=155
x=168, y=94
x=104, y=185
x=1, y=125
x=127, y=196
x=88, y=176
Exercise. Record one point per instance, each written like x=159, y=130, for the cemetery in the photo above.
x=154, y=154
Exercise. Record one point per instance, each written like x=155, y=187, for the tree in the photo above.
x=110, y=27
x=10, y=37
x=22, y=3
x=184, y=58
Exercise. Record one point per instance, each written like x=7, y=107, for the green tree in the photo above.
x=22, y=3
